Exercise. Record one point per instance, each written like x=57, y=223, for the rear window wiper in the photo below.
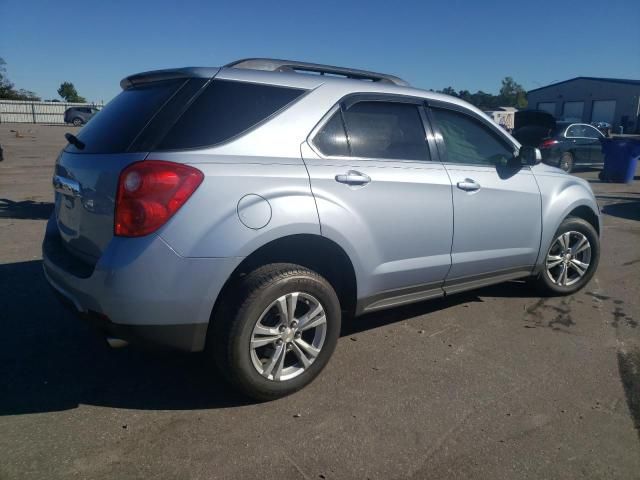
x=73, y=140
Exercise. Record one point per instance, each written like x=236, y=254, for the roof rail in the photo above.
x=275, y=65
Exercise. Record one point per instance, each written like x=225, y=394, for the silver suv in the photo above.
x=245, y=210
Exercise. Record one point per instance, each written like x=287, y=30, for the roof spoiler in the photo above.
x=170, y=74
x=275, y=65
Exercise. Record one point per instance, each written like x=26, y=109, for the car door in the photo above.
x=496, y=201
x=382, y=197
x=595, y=146
x=579, y=143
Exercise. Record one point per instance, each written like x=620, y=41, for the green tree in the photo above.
x=8, y=90
x=68, y=92
x=465, y=95
x=512, y=94
x=521, y=100
x=448, y=91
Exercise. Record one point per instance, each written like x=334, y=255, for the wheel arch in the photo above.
x=583, y=208
x=315, y=252
x=586, y=213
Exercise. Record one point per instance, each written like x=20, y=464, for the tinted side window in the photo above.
x=592, y=132
x=226, y=109
x=332, y=139
x=469, y=141
x=574, y=131
x=386, y=130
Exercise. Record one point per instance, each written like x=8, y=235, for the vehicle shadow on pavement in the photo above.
x=52, y=361
x=629, y=368
x=626, y=207
x=25, y=210
x=369, y=321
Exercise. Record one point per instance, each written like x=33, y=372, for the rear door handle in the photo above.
x=469, y=185
x=353, y=178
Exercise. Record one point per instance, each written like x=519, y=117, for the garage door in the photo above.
x=549, y=107
x=603, y=111
x=573, y=111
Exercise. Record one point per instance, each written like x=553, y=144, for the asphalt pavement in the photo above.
x=492, y=384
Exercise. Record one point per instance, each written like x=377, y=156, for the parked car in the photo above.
x=604, y=127
x=566, y=145
x=78, y=116
x=245, y=210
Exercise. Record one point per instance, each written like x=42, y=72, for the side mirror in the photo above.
x=529, y=155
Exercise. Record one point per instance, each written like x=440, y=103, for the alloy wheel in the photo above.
x=288, y=336
x=568, y=258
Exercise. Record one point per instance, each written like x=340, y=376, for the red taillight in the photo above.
x=149, y=193
x=548, y=143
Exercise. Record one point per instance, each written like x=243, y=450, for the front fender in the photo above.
x=560, y=195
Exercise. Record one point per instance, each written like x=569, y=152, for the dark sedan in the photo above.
x=563, y=144
x=572, y=145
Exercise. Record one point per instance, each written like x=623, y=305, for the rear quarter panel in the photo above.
x=264, y=161
x=209, y=224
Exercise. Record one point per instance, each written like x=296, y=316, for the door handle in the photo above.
x=469, y=185
x=353, y=178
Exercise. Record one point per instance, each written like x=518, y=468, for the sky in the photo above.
x=466, y=44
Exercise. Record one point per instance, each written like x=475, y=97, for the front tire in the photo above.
x=77, y=122
x=276, y=330
x=571, y=260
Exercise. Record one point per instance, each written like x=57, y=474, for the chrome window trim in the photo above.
x=587, y=125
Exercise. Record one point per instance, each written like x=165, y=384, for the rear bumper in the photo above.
x=188, y=337
x=142, y=290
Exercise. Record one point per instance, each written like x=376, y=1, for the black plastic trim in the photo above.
x=54, y=251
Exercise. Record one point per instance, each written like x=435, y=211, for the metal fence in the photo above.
x=20, y=111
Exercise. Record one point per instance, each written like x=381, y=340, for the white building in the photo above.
x=503, y=116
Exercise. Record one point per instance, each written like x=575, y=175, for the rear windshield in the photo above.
x=113, y=128
x=179, y=114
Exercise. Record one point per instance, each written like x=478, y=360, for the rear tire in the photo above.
x=567, y=162
x=77, y=122
x=261, y=345
x=572, y=258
